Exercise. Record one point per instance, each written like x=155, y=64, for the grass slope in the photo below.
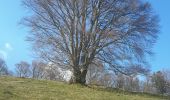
x=29, y=89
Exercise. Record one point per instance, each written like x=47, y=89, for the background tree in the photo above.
x=3, y=68
x=76, y=33
x=120, y=81
x=23, y=69
x=95, y=74
x=135, y=85
x=148, y=85
x=52, y=72
x=98, y=75
x=38, y=69
x=167, y=78
x=159, y=82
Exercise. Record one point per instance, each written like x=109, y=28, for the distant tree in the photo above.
x=136, y=85
x=159, y=82
x=3, y=67
x=53, y=73
x=23, y=69
x=130, y=80
x=11, y=73
x=167, y=78
x=98, y=75
x=77, y=33
x=128, y=83
x=95, y=72
x=120, y=81
x=38, y=69
x=107, y=79
x=147, y=85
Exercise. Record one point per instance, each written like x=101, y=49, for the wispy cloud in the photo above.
x=8, y=46
x=4, y=51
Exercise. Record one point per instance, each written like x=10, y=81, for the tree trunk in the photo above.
x=78, y=77
x=83, y=76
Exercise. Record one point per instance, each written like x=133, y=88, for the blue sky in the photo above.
x=161, y=60
x=14, y=48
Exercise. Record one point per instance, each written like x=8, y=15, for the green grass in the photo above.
x=30, y=89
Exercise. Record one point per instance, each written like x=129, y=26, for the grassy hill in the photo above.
x=29, y=89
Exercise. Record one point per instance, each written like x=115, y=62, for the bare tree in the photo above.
x=136, y=85
x=159, y=82
x=38, y=69
x=120, y=81
x=94, y=74
x=3, y=67
x=77, y=33
x=166, y=74
x=23, y=69
x=52, y=73
x=147, y=85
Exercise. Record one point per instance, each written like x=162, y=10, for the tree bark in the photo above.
x=83, y=76
x=78, y=77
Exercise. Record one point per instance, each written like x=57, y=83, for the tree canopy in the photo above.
x=77, y=33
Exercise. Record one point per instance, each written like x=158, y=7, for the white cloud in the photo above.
x=8, y=46
x=5, y=50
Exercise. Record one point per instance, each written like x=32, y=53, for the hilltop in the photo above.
x=29, y=89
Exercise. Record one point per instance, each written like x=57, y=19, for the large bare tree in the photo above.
x=76, y=33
